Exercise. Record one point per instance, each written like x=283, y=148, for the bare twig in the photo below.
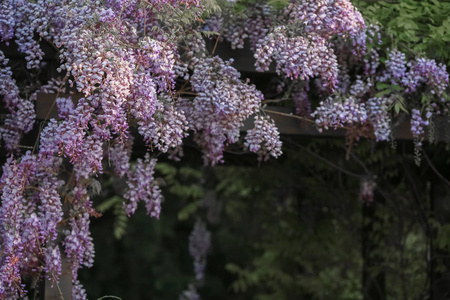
x=434, y=169
x=325, y=160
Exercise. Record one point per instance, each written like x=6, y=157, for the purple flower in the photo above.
x=142, y=187
x=222, y=103
x=199, y=244
x=378, y=114
x=298, y=57
x=264, y=139
x=417, y=124
x=337, y=113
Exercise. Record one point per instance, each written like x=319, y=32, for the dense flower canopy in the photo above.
x=144, y=66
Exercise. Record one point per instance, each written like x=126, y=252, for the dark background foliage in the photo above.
x=292, y=228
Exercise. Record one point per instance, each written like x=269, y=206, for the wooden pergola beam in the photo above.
x=287, y=122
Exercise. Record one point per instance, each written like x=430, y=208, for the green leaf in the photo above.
x=188, y=210
x=109, y=203
x=397, y=107
x=278, y=4
x=397, y=87
x=193, y=190
x=383, y=93
x=191, y=173
x=409, y=24
x=208, y=33
x=382, y=86
x=443, y=236
x=120, y=221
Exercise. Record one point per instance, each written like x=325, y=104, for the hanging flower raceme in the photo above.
x=222, y=104
x=29, y=217
x=336, y=113
x=378, y=115
x=327, y=17
x=142, y=187
x=297, y=57
x=264, y=139
x=199, y=244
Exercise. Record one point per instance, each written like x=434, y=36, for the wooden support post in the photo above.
x=440, y=258
x=373, y=281
x=46, y=104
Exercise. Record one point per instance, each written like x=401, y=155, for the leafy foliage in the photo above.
x=421, y=26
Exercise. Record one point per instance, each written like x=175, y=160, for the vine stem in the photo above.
x=434, y=169
x=339, y=168
x=215, y=45
x=48, y=114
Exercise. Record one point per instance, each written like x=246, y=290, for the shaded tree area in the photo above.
x=303, y=227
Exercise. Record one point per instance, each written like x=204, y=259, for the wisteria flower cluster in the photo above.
x=327, y=17
x=306, y=52
x=416, y=73
x=21, y=115
x=28, y=228
x=255, y=26
x=339, y=112
x=220, y=107
x=139, y=70
x=384, y=88
x=396, y=65
x=119, y=66
x=298, y=57
x=302, y=103
x=199, y=244
x=417, y=124
x=142, y=186
x=264, y=139
x=135, y=71
x=378, y=114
